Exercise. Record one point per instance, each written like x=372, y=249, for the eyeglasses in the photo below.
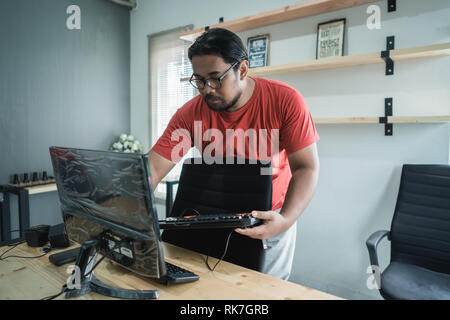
x=215, y=83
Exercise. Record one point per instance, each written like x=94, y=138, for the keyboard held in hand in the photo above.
x=209, y=221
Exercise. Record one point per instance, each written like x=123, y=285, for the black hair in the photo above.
x=219, y=41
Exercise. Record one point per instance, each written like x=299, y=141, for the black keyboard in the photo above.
x=233, y=220
x=177, y=274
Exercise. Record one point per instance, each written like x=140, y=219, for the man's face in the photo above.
x=213, y=66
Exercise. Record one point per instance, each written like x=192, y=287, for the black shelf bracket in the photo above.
x=385, y=55
x=392, y=5
x=388, y=128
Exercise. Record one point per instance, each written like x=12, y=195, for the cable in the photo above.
x=223, y=255
x=46, y=250
x=16, y=243
x=1, y=256
x=64, y=287
x=104, y=256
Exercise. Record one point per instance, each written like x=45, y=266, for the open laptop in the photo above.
x=108, y=196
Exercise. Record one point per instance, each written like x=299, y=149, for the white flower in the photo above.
x=127, y=143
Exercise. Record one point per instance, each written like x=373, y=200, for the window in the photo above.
x=170, y=89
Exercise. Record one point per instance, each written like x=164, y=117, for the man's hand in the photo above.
x=273, y=224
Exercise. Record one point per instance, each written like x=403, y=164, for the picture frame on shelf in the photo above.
x=330, y=39
x=258, y=51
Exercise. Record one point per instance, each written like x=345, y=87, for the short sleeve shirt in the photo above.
x=274, y=123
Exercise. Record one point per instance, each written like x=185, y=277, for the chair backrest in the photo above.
x=420, y=230
x=222, y=188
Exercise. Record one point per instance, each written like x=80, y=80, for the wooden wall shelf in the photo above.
x=42, y=188
x=315, y=7
x=408, y=119
x=296, y=11
x=435, y=50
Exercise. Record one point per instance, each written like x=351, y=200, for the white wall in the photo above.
x=360, y=167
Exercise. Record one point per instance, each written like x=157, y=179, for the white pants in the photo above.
x=279, y=253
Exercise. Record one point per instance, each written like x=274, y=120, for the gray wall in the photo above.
x=59, y=87
x=360, y=167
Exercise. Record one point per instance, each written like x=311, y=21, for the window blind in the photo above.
x=169, y=64
x=169, y=89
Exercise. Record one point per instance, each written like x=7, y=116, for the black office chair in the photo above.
x=221, y=188
x=420, y=236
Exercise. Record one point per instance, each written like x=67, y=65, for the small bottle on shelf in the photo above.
x=35, y=179
x=26, y=181
x=16, y=180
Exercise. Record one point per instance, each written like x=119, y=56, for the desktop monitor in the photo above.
x=108, y=196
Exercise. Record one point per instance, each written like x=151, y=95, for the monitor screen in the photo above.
x=110, y=192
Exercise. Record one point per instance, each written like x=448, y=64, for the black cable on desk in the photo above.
x=46, y=250
x=64, y=289
x=223, y=255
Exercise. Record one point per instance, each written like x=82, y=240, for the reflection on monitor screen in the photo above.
x=108, y=195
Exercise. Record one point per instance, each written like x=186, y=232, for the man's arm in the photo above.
x=304, y=166
x=305, y=175
x=159, y=167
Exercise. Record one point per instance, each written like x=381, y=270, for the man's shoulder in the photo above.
x=192, y=106
x=275, y=87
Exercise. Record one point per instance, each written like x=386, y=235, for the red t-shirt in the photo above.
x=275, y=110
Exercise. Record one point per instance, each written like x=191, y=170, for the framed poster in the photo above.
x=258, y=51
x=330, y=39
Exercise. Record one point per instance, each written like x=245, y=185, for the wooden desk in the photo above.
x=38, y=278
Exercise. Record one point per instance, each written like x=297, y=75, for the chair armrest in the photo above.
x=372, y=244
x=169, y=195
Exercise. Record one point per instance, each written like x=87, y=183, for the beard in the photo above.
x=219, y=104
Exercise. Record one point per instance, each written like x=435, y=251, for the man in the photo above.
x=230, y=99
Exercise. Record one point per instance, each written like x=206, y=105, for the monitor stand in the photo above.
x=83, y=281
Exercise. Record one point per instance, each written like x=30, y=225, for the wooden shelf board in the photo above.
x=351, y=61
x=346, y=120
x=419, y=119
x=322, y=64
x=42, y=188
x=354, y=60
x=435, y=50
x=409, y=119
x=287, y=13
